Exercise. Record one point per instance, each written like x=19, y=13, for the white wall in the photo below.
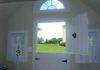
x=94, y=20
x=2, y=42
x=21, y=20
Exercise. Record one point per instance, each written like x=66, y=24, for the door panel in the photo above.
x=51, y=62
x=78, y=25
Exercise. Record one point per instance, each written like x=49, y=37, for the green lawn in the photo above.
x=50, y=48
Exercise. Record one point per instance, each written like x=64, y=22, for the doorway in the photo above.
x=51, y=47
x=51, y=37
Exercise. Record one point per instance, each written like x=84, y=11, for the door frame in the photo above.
x=35, y=22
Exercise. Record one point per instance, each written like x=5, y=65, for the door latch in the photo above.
x=65, y=61
x=37, y=58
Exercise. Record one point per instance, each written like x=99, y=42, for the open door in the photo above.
x=77, y=34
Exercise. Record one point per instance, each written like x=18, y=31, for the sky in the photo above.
x=50, y=30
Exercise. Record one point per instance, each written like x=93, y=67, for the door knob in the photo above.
x=65, y=61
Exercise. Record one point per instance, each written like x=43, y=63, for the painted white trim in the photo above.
x=38, y=18
x=35, y=22
x=38, y=4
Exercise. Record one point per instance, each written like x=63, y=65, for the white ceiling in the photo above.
x=7, y=7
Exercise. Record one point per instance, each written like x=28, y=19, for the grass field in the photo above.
x=50, y=48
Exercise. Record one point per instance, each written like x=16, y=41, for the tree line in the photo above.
x=51, y=41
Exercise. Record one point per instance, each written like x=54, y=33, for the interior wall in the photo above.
x=22, y=21
x=2, y=42
x=93, y=23
x=94, y=20
x=1, y=50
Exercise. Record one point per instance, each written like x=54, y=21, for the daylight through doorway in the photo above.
x=51, y=37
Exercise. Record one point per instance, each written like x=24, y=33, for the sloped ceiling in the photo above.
x=95, y=4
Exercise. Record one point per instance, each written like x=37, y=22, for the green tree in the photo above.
x=54, y=40
x=59, y=40
x=40, y=40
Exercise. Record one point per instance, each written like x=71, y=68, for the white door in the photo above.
x=51, y=62
x=77, y=34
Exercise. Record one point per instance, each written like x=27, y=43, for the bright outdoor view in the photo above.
x=51, y=37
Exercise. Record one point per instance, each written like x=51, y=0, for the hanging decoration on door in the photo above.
x=74, y=35
x=18, y=46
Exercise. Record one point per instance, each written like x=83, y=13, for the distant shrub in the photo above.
x=62, y=44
